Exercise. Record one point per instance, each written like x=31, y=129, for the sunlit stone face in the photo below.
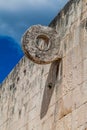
x=42, y=42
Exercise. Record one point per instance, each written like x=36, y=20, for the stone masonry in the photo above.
x=53, y=96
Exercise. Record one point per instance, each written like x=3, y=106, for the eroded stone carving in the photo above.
x=41, y=44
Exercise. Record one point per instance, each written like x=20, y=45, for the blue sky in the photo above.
x=15, y=17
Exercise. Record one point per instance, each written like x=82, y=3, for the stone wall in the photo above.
x=54, y=96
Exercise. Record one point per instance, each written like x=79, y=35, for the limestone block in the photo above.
x=48, y=124
x=79, y=116
x=60, y=125
x=67, y=82
x=80, y=95
x=78, y=75
x=35, y=124
x=64, y=106
x=65, y=123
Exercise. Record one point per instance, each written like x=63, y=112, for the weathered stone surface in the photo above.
x=52, y=96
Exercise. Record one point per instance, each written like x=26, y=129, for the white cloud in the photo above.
x=20, y=4
x=17, y=15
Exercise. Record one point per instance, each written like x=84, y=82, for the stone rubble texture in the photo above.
x=53, y=96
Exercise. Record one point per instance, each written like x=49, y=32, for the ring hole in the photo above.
x=50, y=85
x=42, y=42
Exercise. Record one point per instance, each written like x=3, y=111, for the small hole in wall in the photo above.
x=18, y=79
x=25, y=72
x=13, y=87
x=50, y=85
x=57, y=70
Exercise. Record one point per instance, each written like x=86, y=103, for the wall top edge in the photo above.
x=63, y=11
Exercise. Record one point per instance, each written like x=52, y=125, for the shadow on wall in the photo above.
x=54, y=74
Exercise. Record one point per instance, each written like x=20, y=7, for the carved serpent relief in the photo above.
x=41, y=44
